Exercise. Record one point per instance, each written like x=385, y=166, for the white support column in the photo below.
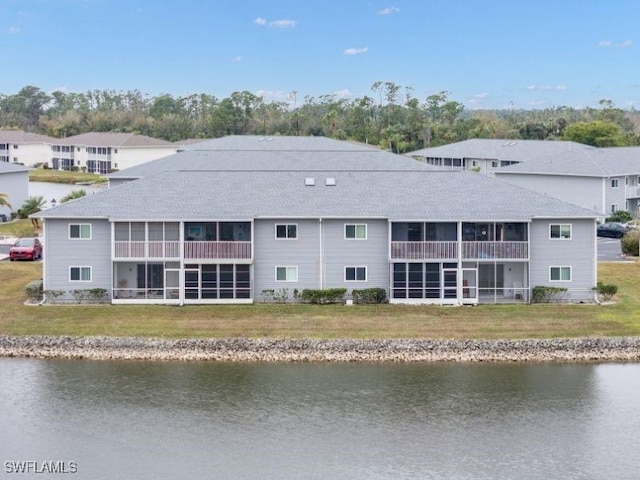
x=459, y=279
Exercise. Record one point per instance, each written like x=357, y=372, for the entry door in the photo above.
x=469, y=285
x=449, y=283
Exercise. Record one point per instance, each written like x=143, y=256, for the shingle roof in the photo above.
x=6, y=167
x=491, y=149
x=107, y=139
x=595, y=162
x=282, y=153
x=420, y=194
x=20, y=137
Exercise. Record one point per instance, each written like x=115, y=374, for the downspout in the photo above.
x=321, y=254
x=44, y=270
x=595, y=264
x=181, y=264
x=459, y=279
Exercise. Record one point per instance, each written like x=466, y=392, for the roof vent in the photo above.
x=309, y=181
x=330, y=182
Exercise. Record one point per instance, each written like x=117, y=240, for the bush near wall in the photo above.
x=34, y=290
x=369, y=295
x=326, y=295
x=544, y=294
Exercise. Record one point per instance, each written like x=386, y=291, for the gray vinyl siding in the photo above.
x=270, y=252
x=614, y=195
x=585, y=192
x=61, y=252
x=577, y=253
x=372, y=253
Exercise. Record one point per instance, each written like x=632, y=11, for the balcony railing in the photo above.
x=192, y=250
x=423, y=250
x=500, y=250
x=449, y=250
x=207, y=250
x=633, y=192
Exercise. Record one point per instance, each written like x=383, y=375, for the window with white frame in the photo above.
x=560, y=231
x=614, y=183
x=79, y=274
x=494, y=164
x=355, y=274
x=560, y=274
x=80, y=231
x=286, y=274
x=287, y=231
x=614, y=207
x=355, y=231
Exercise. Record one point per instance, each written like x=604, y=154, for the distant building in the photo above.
x=14, y=182
x=24, y=148
x=99, y=152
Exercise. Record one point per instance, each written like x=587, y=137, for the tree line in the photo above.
x=391, y=117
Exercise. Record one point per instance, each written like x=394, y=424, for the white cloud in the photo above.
x=345, y=93
x=236, y=59
x=13, y=30
x=610, y=44
x=355, y=51
x=388, y=11
x=260, y=21
x=284, y=23
x=480, y=96
x=546, y=88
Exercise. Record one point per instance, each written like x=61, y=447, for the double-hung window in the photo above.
x=614, y=183
x=81, y=231
x=287, y=231
x=560, y=274
x=355, y=274
x=79, y=274
x=355, y=231
x=560, y=231
x=286, y=274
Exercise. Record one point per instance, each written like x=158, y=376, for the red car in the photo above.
x=26, y=249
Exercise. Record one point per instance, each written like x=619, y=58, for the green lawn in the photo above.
x=58, y=176
x=322, y=321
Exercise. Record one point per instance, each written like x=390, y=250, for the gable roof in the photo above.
x=396, y=195
x=595, y=162
x=21, y=137
x=248, y=153
x=108, y=139
x=492, y=149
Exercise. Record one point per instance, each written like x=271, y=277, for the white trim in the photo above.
x=286, y=267
x=560, y=225
x=617, y=183
x=286, y=226
x=560, y=273
x=80, y=225
x=355, y=273
x=355, y=231
x=80, y=273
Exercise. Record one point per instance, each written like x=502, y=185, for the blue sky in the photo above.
x=486, y=53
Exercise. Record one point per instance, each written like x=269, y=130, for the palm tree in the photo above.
x=30, y=206
x=4, y=200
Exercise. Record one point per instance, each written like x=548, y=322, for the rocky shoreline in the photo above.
x=615, y=349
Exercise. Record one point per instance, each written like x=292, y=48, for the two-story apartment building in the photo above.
x=14, y=183
x=221, y=225
x=24, y=148
x=101, y=152
x=602, y=179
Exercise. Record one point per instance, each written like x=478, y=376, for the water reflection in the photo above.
x=213, y=420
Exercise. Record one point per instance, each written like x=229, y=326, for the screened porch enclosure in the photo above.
x=146, y=281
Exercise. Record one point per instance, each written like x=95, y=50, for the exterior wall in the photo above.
x=585, y=192
x=16, y=186
x=130, y=157
x=372, y=253
x=614, y=195
x=28, y=154
x=60, y=253
x=579, y=253
x=269, y=252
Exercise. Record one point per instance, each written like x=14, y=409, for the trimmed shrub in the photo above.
x=606, y=291
x=369, y=295
x=327, y=295
x=34, y=290
x=544, y=294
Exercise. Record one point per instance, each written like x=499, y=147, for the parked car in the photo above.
x=26, y=249
x=612, y=229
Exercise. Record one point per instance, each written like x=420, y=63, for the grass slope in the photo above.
x=322, y=321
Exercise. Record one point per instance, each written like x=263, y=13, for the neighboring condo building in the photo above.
x=489, y=155
x=24, y=148
x=14, y=183
x=98, y=152
x=237, y=216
